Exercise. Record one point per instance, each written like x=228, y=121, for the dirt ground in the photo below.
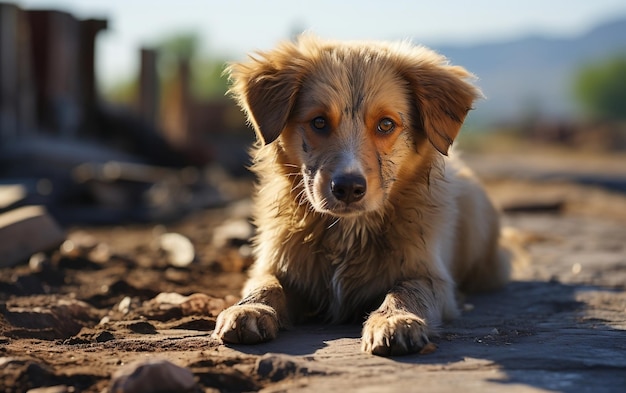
x=110, y=296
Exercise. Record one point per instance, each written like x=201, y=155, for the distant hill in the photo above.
x=534, y=74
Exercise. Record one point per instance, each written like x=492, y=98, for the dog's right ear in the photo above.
x=266, y=88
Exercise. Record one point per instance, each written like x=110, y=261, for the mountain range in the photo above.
x=534, y=75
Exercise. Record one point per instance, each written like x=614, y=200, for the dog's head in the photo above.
x=353, y=117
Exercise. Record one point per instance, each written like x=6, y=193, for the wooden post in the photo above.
x=8, y=72
x=90, y=97
x=17, y=91
x=56, y=41
x=176, y=106
x=148, y=87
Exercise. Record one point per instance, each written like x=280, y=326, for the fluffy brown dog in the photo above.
x=360, y=212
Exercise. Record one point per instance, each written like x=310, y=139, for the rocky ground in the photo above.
x=121, y=309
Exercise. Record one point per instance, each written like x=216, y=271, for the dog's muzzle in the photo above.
x=348, y=188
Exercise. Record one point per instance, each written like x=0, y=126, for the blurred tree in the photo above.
x=122, y=92
x=179, y=45
x=208, y=81
x=601, y=88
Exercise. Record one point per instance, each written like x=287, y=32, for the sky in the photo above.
x=233, y=28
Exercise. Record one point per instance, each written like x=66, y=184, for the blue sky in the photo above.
x=234, y=27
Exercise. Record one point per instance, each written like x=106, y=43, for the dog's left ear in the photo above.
x=266, y=88
x=443, y=97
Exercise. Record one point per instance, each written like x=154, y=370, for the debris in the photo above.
x=124, y=305
x=179, y=249
x=11, y=194
x=233, y=232
x=52, y=389
x=25, y=231
x=173, y=305
x=152, y=376
x=142, y=327
x=277, y=367
x=38, y=262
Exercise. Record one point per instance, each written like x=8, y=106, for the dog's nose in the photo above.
x=348, y=188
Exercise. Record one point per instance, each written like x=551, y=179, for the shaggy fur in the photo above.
x=360, y=211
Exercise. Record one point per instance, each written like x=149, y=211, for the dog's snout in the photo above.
x=348, y=188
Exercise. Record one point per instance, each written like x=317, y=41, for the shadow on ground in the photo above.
x=531, y=335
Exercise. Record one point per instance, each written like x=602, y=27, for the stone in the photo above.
x=154, y=375
x=179, y=249
x=25, y=231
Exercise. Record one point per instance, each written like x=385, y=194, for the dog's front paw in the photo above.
x=395, y=334
x=247, y=324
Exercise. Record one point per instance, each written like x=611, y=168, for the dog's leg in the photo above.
x=402, y=323
x=257, y=317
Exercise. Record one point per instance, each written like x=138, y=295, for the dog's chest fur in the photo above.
x=341, y=269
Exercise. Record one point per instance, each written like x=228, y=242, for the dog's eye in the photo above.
x=386, y=126
x=319, y=124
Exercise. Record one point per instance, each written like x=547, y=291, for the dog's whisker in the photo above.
x=333, y=223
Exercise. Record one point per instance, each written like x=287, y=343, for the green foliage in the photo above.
x=601, y=88
x=181, y=45
x=206, y=82
x=123, y=91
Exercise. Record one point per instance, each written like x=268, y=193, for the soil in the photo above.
x=110, y=296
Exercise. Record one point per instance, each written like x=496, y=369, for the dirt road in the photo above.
x=75, y=318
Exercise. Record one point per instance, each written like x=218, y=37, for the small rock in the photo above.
x=25, y=231
x=78, y=244
x=104, y=337
x=277, y=367
x=10, y=194
x=170, y=298
x=150, y=376
x=179, y=249
x=101, y=253
x=38, y=262
x=124, y=305
x=233, y=231
x=142, y=327
x=194, y=304
x=52, y=389
x=106, y=319
x=201, y=304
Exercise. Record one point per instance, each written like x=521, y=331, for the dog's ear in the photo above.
x=266, y=88
x=443, y=96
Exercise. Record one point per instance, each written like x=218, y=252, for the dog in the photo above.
x=362, y=212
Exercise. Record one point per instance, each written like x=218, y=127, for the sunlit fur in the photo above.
x=424, y=226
